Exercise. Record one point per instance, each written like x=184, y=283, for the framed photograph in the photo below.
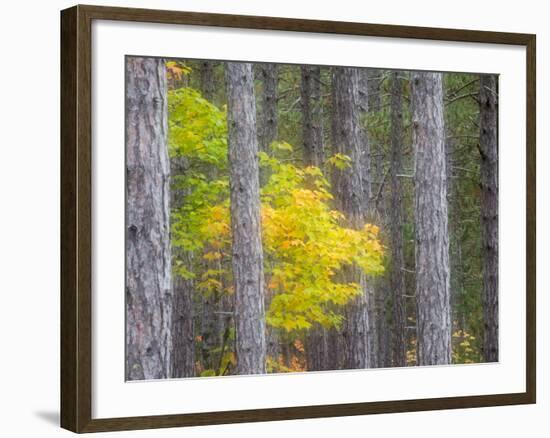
x=269, y=219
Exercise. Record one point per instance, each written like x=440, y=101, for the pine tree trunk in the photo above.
x=396, y=223
x=317, y=354
x=364, y=90
x=267, y=134
x=373, y=287
x=247, y=253
x=432, y=239
x=351, y=201
x=312, y=113
x=374, y=82
x=148, y=267
x=210, y=323
x=207, y=84
x=267, y=128
x=316, y=342
x=183, y=326
x=488, y=147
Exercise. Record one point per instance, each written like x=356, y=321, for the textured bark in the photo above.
x=363, y=98
x=383, y=329
x=372, y=293
x=488, y=147
x=272, y=343
x=374, y=82
x=267, y=134
x=336, y=350
x=210, y=330
x=183, y=356
x=396, y=223
x=317, y=350
x=432, y=239
x=183, y=327
x=267, y=128
x=312, y=113
x=348, y=140
x=207, y=84
x=148, y=267
x=247, y=257
x=316, y=340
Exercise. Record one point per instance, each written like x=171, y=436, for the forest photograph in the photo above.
x=285, y=218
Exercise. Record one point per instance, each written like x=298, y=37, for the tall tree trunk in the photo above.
x=488, y=147
x=148, y=267
x=247, y=260
x=267, y=134
x=374, y=82
x=207, y=84
x=183, y=327
x=312, y=113
x=374, y=289
x=396, y=223
x=268, y=115
x=432, y=239
x=210, y=322
x=348, y=138
x=317, y=349
x=364, y=90
x=316, y=342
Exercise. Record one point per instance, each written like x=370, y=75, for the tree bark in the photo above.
x=267, y=134
x=312, y=113
x=207, y=83
x=373, y=288
x=396, y=223
x=432, y=239
x=488, y=147
x=247, y=256
x=148, y=267
x=268, y=116
x=183, y=324
x=317, y=354
x=351, y=201
x=374, y=82
x=316, y=340
x=183, y=327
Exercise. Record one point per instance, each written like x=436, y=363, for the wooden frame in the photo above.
x=76, y=214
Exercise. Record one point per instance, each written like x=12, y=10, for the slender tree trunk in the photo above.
x=488, y=147
x=374, y=82
x=374, y=289
x=211, y=331
x=268, y=116
x=316, y=342
x=396, y=223
x=183, y=326
x=312, y=113
x=363, y=99
x=350, y=198
x=247, y=260
x=148, y=268
x=207, y=83
x=267, y=134
x=432, y=239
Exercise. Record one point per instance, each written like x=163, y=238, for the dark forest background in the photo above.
x=287, y=218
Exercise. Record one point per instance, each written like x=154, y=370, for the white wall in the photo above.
x=29, y=219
